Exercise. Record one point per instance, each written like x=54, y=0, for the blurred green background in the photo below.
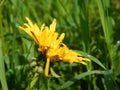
x=92, y=28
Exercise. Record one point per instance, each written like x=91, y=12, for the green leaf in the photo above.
x=78, y=77
x=106, y=20
x=32, y=83
x=54, y=74
x=92, y=58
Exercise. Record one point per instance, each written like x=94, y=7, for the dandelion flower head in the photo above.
x=50, y=43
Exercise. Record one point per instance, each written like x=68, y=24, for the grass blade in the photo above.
x=2, y=70
x=78, y=77
x=109, y=81
x=84, y=24
x=32, y=83
x=92, y=58
x=104, y=10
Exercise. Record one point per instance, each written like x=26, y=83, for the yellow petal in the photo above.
x=29, y=22
x=47, y=67
x=60, y=39
x=53, y=25
x=42, y=27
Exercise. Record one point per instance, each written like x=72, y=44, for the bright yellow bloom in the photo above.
x=45, y=37
x=51, y=45
x=64, y=54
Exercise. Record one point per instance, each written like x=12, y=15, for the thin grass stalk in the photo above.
x=84, y=25
x=48, y=83
x=104, y=6
x=106, y=19
x=2, y=31
x=85, y=33
x=2, y=70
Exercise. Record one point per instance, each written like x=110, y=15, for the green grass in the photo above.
x=2, y=69
x=91, y=28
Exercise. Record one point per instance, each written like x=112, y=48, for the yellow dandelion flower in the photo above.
x=51, y=45
x=43, y=36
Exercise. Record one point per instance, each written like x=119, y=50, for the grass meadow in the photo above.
x=91, y=27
